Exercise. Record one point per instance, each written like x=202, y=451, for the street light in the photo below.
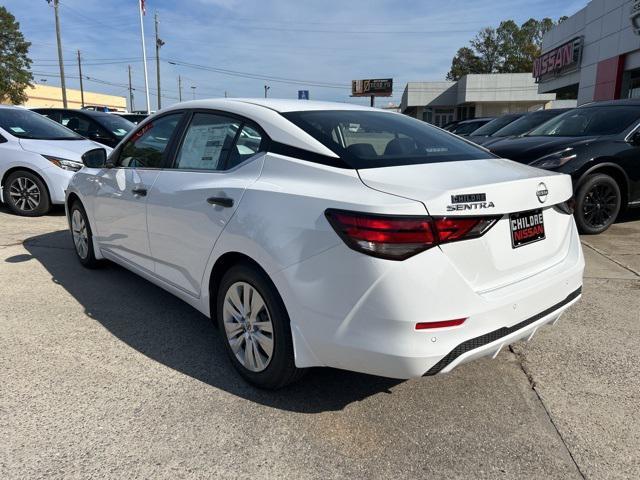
x=266, y=89
x=193, y=90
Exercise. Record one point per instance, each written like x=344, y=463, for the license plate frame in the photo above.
x=526, y=227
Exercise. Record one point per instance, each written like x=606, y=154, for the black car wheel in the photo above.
x=26, y=194
x=598, y=203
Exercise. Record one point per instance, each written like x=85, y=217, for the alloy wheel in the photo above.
x=80, y=234
x=248, y=326
x=600, y=205
x=25, y=194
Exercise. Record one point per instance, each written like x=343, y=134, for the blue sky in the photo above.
x=328, y=42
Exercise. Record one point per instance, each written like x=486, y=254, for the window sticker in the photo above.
x=17, y=129
x=203, y=146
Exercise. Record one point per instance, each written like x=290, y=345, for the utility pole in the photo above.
x=130, y=91
x=144, y=55
x=159, y=43
x=179, y=88
x=80, y=73
x=60, y=60
x=266, y=89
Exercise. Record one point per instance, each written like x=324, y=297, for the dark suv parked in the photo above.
x=598, y=144
x=105, y=128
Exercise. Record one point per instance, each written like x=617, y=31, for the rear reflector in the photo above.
x=442, y=324
x=396, y=237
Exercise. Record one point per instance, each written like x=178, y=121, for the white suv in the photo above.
x=38, y=157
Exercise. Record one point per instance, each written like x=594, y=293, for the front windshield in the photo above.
x=23, y=123
x=494, y=125
x=465, y=128
x=116, y=124
x=369, y=139
x=526, y=123
x=589, y=121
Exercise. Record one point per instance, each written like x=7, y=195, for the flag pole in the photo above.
x=144, y=55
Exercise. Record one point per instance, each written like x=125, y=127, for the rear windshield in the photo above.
x=23, y=123
x=494, y=125
x=589, y=121
x=369, y=139
x=524, y=124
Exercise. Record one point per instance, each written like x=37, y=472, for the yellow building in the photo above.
x=51, y=96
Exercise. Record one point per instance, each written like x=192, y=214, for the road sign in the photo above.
x=378, y=87
x=303, y=94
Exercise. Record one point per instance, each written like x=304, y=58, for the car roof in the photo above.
x=91, y=113
x=632, y=102
x=479, y=119
x=276, y=104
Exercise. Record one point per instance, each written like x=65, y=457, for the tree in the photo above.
x=507, y=49
x=487, y=46
x=465, y=61
x=15, y=64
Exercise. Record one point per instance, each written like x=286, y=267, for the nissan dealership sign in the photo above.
x=562, y=59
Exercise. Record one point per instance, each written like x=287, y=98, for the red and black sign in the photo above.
x=377, y=87
x=526, y=227
x=560, y=60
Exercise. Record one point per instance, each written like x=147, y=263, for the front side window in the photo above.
x=207, y=142
x=146, y=148
x=366, y=139
x=22, y=123
x=589, y=121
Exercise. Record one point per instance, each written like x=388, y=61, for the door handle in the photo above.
x=142, y=192
x=225, y=202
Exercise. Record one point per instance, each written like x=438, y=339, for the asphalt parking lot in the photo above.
x=103, y=375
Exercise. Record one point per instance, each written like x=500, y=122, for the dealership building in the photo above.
x=594, y=54
x=474, y=95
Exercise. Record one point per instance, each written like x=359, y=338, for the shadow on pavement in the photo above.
x=630, y=215
x=167, y=330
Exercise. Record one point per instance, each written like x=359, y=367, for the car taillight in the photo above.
x=397, y=237
x=566, y=207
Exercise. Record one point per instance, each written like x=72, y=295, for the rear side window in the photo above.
x=207, y=142
x=369, y=139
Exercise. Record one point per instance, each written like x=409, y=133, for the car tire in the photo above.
x=598, y=202
x=257, y=337
x=26, y=194
x=82, y=236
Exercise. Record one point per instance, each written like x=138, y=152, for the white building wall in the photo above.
x=607, y=32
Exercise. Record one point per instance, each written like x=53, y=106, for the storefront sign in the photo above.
x=634, y=16
x=379, y=87
x=560, y=60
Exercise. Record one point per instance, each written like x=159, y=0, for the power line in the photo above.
x=255, y=76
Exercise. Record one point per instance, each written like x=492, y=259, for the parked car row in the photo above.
x=598, y=144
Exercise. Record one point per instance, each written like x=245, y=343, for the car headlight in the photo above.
x=64, y=164
x=555, y=160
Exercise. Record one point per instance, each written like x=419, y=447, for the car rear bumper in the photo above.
x=358, y=313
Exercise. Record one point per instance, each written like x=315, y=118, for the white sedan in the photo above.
x=38, y=157
x=321, y=234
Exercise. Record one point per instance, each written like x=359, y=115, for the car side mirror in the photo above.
x=635, y=139
x=96, y=158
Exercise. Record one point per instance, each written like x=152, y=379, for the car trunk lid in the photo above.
x=490, y=187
